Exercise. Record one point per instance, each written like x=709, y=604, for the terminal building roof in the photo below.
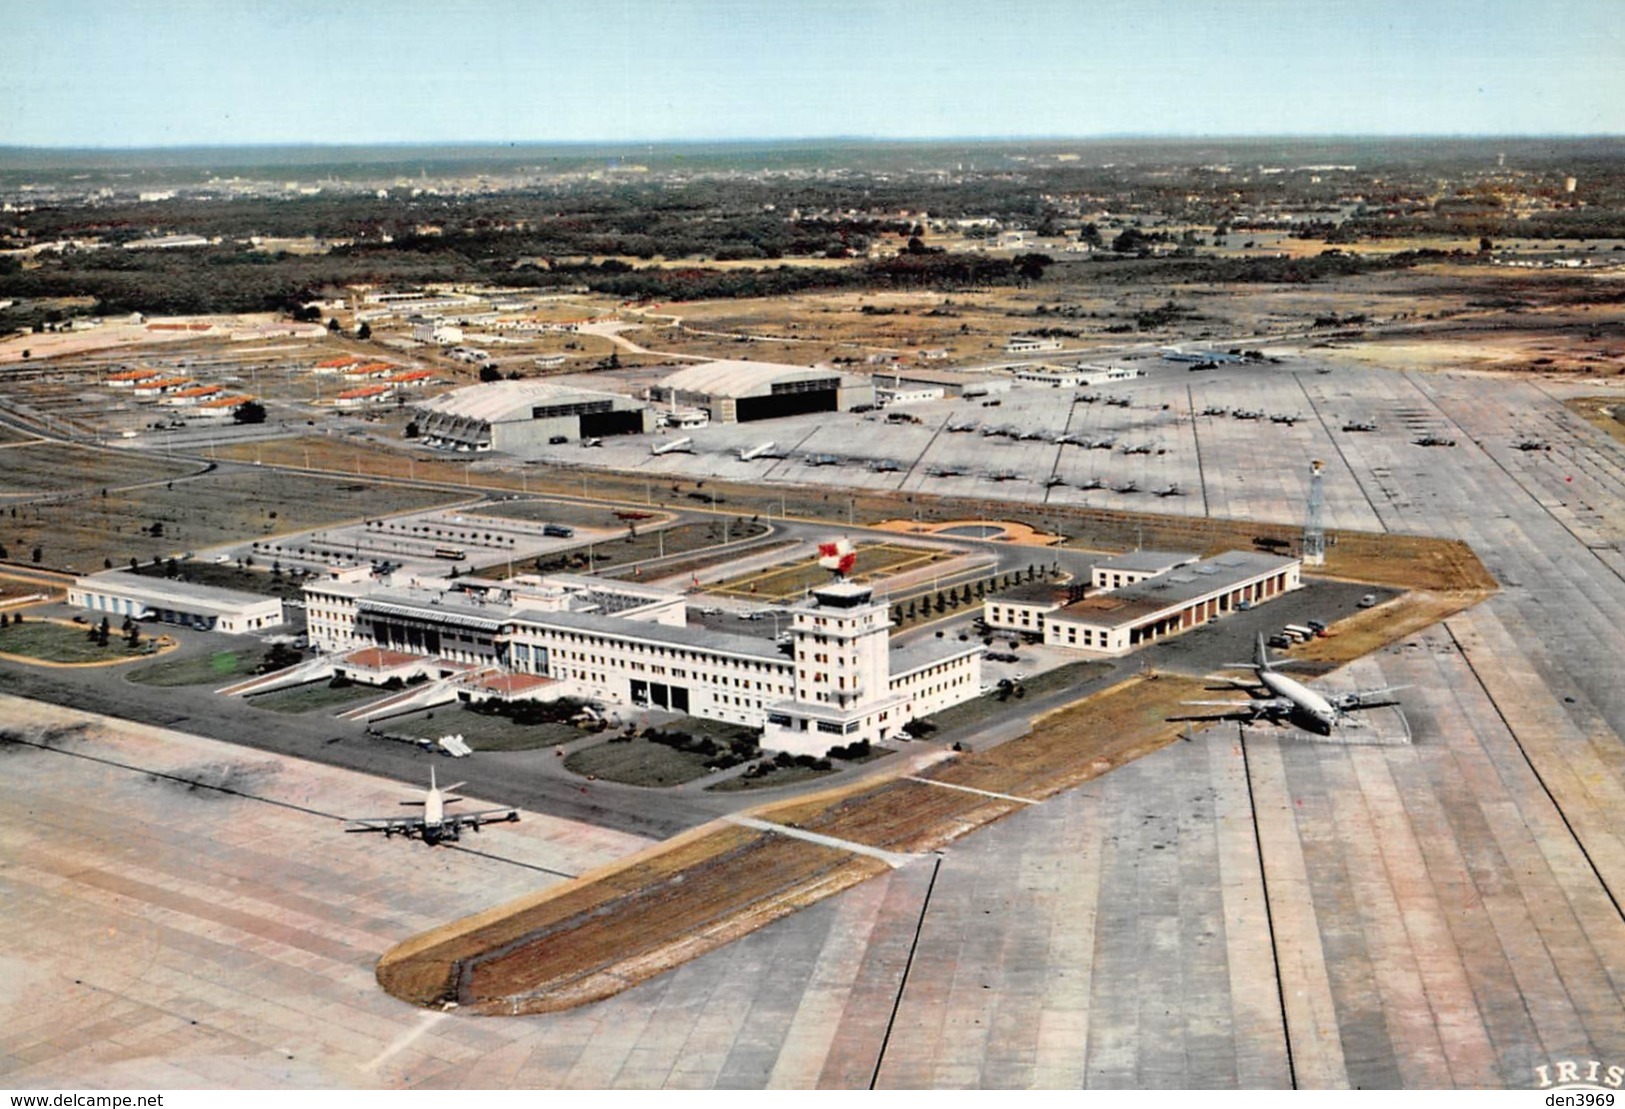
x=171, y=593
x=1170, y=590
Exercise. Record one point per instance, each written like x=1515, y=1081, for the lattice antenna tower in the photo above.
x=1314, y=527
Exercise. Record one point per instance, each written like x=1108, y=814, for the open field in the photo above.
x=215, y=669
x=57, y=469
x=483, y=731
x=220, y=507
x=315, y=697
x=637, y=763
x=265, y=579
x=68, y=644
x=874, y=562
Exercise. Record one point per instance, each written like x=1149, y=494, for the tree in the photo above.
x=38, y=554
x=489, y=373
x=364, y=331
x=412, y=429
x=333, y=326
x=249, y=412
x=135, y=636
x=102, y=633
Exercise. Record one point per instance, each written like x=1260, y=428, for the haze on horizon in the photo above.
x=192, y=73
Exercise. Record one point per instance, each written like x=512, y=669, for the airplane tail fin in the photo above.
x=1262, y=656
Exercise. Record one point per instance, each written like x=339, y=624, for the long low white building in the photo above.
x=121, y=593
x=1145, y=596
x=631, y=645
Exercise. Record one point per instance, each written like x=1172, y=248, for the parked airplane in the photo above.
x=1172, y=489
x=948, y=470
x=1433, y=439
x=1139, y=448
x=1118, y=402
x=435, y=825
x=1029, y=435
x=685, y=445
x=768, y=449
x=1105, y=443
x=1287, y=418
x=1092, y=483
x=1066, y=437
x=823, y=460
x=1130, y=486
x=1248, y=413
x=1532, y=445
x=961, y=425
x=590, y=441
x=885, y=466
x=1053, y=480
x=1087, y=398
x=1003, y=475
x=1215, y=410
x=1359, y=425
x=1279, y=699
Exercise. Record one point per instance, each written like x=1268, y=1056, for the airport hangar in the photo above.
x=517, y=416
x=741, y=392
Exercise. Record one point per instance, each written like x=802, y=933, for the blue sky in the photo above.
x=184, y=72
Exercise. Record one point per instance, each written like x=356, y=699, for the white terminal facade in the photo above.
x=628, y=644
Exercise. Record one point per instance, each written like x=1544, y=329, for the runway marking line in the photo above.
x=892, y=859
x=972, y=789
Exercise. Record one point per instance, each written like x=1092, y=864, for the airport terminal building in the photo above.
x=630, y=645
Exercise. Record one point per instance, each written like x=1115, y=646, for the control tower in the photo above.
x=1314, y=526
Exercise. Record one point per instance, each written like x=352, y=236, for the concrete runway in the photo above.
x=1257, y=912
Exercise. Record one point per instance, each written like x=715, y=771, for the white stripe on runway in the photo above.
x=971, y=789
x=892, y=859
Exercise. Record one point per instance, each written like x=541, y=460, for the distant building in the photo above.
x=1030, y=344
x=119, y=593
x=366, y=394
x=740, y=392
x=887, y=396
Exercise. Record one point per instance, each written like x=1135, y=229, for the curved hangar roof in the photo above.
x=501, y=401
x=747, y=379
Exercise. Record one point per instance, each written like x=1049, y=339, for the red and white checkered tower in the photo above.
x=838, y=557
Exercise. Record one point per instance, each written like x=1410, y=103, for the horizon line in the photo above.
x=917, y=140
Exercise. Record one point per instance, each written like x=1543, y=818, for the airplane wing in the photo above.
x=1362, y=699
x=484, y=816
x=389, y=825
x=1245, y=711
